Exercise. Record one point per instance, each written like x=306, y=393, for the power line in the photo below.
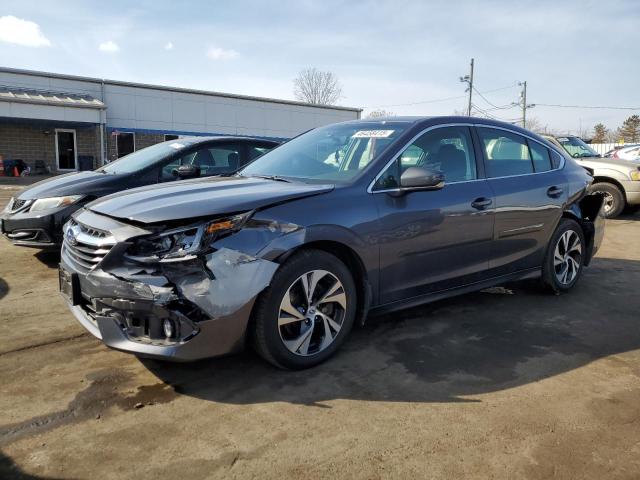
x=437, y=100
x=418, y=103
x=586, y=106
x=486, y=100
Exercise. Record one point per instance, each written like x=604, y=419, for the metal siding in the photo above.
x=146, y=108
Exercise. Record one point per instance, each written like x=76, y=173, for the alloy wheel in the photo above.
x=312, y=312
x=567, y=257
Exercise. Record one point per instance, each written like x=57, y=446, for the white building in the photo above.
x=71, y=122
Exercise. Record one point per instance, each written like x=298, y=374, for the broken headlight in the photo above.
x=179, y=243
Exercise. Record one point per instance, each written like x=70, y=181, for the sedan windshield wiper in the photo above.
x=275, y=178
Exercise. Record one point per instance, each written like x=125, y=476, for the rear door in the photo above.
x=529, y=193
x=438, y=239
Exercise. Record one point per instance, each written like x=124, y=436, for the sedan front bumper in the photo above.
x=206, y=300
x=38, y=229
x=215, y=338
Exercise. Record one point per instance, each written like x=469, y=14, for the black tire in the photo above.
x=266, y=333
x=549, y=270
x=614, y=196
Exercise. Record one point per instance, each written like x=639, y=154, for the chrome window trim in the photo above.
x=470, y=124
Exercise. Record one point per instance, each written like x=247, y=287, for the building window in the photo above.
x=168, y=137
x=125, y=143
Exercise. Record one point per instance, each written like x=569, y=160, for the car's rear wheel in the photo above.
x=306, y=313
x=564, y=260
x=614, y=201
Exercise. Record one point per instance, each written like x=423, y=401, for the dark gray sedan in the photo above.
x=344, y=221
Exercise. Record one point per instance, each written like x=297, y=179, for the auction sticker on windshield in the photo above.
x=373, y=134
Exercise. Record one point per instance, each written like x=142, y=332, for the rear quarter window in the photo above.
x=540, y=156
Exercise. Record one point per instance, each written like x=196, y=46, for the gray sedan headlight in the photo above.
x=178, y=243
x=54, y=202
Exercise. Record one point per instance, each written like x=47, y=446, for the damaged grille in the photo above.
x=86, y=246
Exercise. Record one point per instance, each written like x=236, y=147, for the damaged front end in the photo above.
x=170, y=293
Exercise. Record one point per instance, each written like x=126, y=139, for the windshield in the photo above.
x=146, y=157
x=576, y=147
x=335, y=153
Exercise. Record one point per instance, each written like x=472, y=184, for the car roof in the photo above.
x=435, y=120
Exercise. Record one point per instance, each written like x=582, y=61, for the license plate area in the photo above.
x=69, y=286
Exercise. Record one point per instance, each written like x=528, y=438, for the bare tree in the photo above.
x=319, y=88
x=380, y=114
x=535, y=125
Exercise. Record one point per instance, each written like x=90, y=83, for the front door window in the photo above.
x=66, y=149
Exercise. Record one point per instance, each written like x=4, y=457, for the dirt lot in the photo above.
x=510, y=384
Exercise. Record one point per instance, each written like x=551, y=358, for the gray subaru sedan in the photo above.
x=345, y=221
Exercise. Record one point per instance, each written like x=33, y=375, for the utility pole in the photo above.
x=468, y=79
x=523, y=103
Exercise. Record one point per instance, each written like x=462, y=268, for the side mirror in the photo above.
x=186, y=171
x=418, y=178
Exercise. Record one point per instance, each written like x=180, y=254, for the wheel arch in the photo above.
x=353, y=262
x=585, y=212
x=602, y=179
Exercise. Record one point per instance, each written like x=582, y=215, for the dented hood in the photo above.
x=201, y=198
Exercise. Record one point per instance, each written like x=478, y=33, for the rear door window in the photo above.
x=506, y=153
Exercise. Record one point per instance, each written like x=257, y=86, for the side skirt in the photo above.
x=452, y=292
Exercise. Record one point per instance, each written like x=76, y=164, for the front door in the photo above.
x=439, y=239
x=66, y=149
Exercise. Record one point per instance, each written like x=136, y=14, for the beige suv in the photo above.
x=617, y=179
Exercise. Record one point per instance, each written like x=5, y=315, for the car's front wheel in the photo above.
x=306, y=313
x=565, y=256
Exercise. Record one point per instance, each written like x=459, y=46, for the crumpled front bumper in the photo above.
x=207, y=299
x=216, y=337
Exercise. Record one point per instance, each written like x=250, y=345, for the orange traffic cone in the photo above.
x=15, y=172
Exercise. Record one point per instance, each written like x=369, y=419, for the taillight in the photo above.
x=615, y=154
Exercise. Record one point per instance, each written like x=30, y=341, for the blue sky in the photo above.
x=386, y=53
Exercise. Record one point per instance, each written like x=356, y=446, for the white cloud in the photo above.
x=217, y=53
x=168, y=46
x=109, y=46
x=22, y=32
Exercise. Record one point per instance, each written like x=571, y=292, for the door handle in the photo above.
x=481, y=203
x=554, y=192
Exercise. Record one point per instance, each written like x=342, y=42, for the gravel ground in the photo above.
x=508, y=383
